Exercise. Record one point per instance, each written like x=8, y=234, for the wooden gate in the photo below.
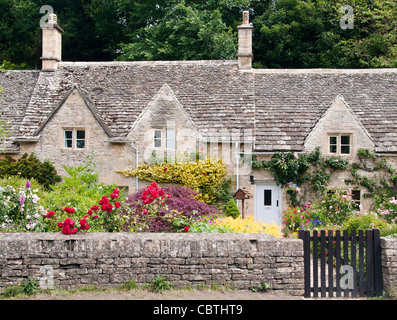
x=342, y=263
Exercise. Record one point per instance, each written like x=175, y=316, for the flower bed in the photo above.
x=153, y=209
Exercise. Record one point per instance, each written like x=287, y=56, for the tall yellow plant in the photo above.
x=202, y=176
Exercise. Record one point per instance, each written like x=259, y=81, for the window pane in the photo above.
x=68, y=139
x=333, y=144
x=268, y=197
x=157, y=138
x=345, y=149
x=80, y=141
x=345, y=139
x=81, y=135
x=157, y=134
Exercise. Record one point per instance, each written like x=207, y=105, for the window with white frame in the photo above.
x=339, y=144
x=164, y=138
x=74, y=139
x=157, y=138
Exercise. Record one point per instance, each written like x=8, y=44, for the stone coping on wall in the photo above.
x=109, y=259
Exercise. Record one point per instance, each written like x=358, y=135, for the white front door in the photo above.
x=268, y=203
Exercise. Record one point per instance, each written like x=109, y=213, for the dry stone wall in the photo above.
x=238, y=260
x=389, y=263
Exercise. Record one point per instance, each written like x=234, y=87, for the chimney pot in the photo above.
x=52, y=44
x=244, y=54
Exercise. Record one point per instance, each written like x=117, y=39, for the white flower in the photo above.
x=28, y=217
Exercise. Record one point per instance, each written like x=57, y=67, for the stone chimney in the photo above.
x=52, y=44
x=244, y=54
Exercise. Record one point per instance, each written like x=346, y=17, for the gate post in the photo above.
x=305, y=236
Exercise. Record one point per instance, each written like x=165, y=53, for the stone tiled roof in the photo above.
x=211, y=92
x=289, y=104
x=17, y=87
x=281, y=106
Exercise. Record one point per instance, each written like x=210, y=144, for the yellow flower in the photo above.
x=249, y=225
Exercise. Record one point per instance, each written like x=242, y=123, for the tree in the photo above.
x=307, y=34
x=185, y=33
x=232, y=209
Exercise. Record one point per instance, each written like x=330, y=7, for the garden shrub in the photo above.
x=203, y=176
x=179, y=209
x=208, y=225
x=367, y=221
x=30, y=167
x=80, y=191
x=335, y=207
x=232, y=209
x=20, y=210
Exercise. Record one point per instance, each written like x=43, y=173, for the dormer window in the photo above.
x=74, y=139
x=339, y=144
x=164, y=137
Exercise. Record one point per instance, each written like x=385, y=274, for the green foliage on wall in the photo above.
x=313, y=169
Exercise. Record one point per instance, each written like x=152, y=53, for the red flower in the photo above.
x=95, y=208
x=60, y=224
x=103, y=207
x=66, y=229
x=154, y=185
x=104, y=200
x=50, y=214
x=70, y=210
x=67, y=221
x=186, y=229
x=95, y=217
x=165, y=169
x=89, y=212
x=74, y=230
x=86, y=227
x=114, y=195
x=116, y=191
x=117, y=204
x=83, y=222
x=109, y=207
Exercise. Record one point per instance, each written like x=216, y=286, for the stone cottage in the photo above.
x=123, y=112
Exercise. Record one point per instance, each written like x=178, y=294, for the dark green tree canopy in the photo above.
x=287, y=33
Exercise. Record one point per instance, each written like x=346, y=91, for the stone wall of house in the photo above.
x=74, y=114
x=239, y=260
x=389, y=263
